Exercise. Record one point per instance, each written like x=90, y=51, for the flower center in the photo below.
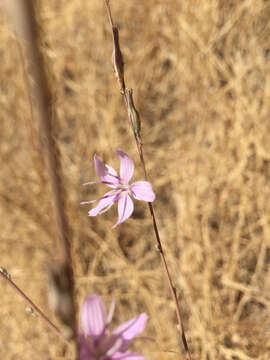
x=105, y=347
x=123, y=188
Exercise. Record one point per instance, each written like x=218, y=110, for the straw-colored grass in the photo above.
x=200, y=71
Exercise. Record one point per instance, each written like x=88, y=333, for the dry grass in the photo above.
x=201, y=76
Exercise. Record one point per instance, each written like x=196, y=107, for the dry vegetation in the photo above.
x=201, y=77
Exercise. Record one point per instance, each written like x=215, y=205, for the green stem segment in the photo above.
x=134, y=116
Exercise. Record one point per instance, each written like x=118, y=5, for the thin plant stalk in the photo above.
x=119, y=72
x=36, y=309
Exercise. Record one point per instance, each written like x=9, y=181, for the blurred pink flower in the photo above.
x=95, y=341
x=140, y=190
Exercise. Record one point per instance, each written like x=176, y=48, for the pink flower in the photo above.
x=95, y=341
x=140, y=190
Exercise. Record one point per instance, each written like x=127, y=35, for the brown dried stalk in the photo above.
x=134, y=119
x=23, y=18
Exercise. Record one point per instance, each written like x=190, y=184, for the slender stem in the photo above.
x=37, y=310
x=151, y=209
x=163, y=258
x=108, y=8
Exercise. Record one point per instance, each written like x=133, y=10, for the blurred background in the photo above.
x=200, y=72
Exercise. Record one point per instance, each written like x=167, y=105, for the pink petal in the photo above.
x=126, y=166
x=142, y=190
x=111, y=170
x=106, y=173
x=127, y=356
x=93, y=316
x=107, y=200
x=128, y=330
x=84, y=347
x=125, y=208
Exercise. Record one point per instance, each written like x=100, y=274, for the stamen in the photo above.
x=91, y=183
x=116, y=346
x=87, y=202
x=111, y=311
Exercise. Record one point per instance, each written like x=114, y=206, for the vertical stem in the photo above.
x=151, y=209
x=163, y=258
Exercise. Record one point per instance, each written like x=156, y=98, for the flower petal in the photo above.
x=125, y=208
x=106, y=201
x=84, y=350
x=142, y=190
x=129, y=329
x=111, y=170
x=126, y=166
x=106, y=173
x=93, y=316
x=127, y=356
